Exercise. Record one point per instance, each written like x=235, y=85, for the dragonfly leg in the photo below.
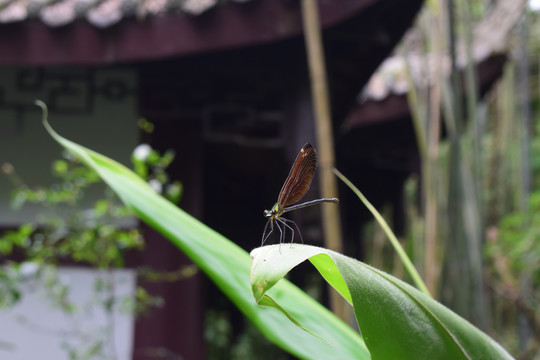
x=286, y=226
x=297, y=229
x=264, y=238
x=282, y=233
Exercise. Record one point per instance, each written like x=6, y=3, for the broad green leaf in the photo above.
x=397, y=321
x=228, y=266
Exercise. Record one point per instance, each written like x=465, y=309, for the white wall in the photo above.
x=38, y=329
x=86, y=114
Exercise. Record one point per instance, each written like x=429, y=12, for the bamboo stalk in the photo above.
x=471, y=173
x=455, y=272
x=432, y=267
x=324, y=134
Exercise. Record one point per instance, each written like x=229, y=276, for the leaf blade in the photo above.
x=396, y=320
x=227, y=265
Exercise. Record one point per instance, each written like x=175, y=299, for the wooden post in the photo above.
x=324, y=134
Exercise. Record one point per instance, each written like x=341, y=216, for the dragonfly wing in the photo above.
x=299, y=180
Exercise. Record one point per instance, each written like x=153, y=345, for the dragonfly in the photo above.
x=293, y=190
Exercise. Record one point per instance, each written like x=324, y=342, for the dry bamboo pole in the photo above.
x=472, y=209
x=427, y=130
x=431, y=261
x=525, y=329
x=523, y=72
x=419, y=119
x=324, y=134
x=454, y=273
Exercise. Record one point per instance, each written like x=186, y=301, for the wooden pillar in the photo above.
x=176, y=329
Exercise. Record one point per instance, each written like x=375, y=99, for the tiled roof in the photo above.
x=99, y=13
x=490, y=36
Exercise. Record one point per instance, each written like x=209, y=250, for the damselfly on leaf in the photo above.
x=295, y=187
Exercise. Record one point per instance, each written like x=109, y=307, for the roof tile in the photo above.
x=99, y=13
x=14, y=12
x=196, y=7
x=107, y=13
x=59, y=13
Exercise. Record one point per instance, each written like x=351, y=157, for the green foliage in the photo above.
x=221, y=343
x=515, y=253
x=9, y=290
x=150, y=165
x=535, y=157
x=71, y=228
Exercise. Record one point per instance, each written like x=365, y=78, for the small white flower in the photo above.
x=156, y=185
x=142, y=151
x=28, y=268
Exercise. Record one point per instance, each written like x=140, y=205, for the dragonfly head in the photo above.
x=275, y=212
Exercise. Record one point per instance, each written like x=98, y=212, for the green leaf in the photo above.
x=397, y=321
x=60, y=167
x=228, y=266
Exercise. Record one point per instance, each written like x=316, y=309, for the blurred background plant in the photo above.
x=473, y=212
x=71, y=229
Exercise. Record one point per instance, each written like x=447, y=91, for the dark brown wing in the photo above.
x=297, y=183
